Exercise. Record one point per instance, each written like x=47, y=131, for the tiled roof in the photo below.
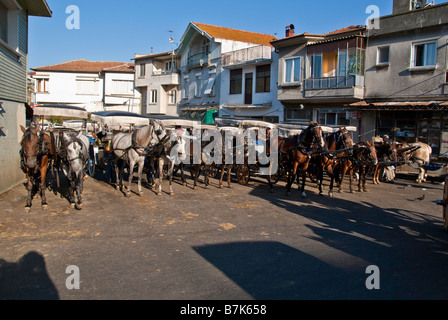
x=347, y=29
x=82, y=65
x=235, y=34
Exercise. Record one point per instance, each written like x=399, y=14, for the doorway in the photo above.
x=248, y=87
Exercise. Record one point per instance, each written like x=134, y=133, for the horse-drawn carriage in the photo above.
x=105, y=123
x=71, y=148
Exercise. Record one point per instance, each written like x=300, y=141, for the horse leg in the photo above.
x=71, y=192
x=170, y=176
x=206, y=174
x=182, y=176
x=345, y=168
x=29, y=187
x=141, y=165
x=351, y=179
x=223, y=167
x=320, y=177
x=302, y=189
x=79, y=187
x=229, y=172
x=159, y=177
x=43, y=184
x=291, y=177
x=131, y=175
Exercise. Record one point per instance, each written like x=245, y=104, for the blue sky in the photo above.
x=114, y=30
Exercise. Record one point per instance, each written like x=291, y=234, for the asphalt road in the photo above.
x=242, y=243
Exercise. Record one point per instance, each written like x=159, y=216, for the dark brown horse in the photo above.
x=295, y=152
x=339, y=145
x=364, y=155
x=385, y=151
x=36, y=154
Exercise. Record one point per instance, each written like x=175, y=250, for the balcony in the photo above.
x=247, y=56
x=198, y=60
x=341, y=88
x=166, y=77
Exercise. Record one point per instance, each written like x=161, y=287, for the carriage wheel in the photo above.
x=445, y=200
x=243, y=174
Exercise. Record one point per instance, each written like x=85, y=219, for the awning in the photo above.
x=247, y=106
x=119, y=118
x=399, y=106
x=67, y=112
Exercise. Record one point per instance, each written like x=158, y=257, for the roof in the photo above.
x=235, y=34
x=333, y=35
x=38, y=8
x=153, y=55
x=347, y=29
x=82, y=65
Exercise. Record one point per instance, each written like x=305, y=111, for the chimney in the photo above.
x=289, y=30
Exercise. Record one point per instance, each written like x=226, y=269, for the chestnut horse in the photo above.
x=334, y=161
x=36, y=154
x=295, y=153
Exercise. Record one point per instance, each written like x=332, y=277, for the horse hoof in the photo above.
x=330, y=194
x=45, y=206
x=220, y=186
x=72, y=205
x=171, y=193
x=184, y=183
x=194, y=188
x=159, y=193
x=352, y=191
x=365, y=190
x=321, y=193
x=27, y=209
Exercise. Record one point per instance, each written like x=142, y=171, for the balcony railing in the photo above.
x=246, y=55
x=346, y=81
x=198, y=60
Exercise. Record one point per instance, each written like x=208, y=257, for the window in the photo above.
x=185, y=89
x=263, y=78
x=153, y=96
x=172, y=98
x=122, y=86
x=424, y=54
x=87, y=86
x=3, y=22
x=382, y=56
x=210, y=88
x=42, y=85
x=236, y=81
x=292, y=70
x=170, y=66
x=198, y=87
x=316, y=66
x=297, y=114
x=342, y=63
x=142, y=68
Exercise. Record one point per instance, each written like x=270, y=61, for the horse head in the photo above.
x=176, y=146
x=159, y=134
x=371, y=153
x=30, y=145
x=317, y=135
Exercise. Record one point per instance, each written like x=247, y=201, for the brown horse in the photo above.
x=364, y=155
x=294, y=153
x=385, y=151
x=36, y=154
x=334, y=161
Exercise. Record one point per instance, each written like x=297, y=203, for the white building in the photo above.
x=157, y=80
x=93, y=85
x=228, y=70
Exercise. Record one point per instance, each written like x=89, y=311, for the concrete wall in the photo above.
x=398, y=81
x=63, y=90
x=12, y=116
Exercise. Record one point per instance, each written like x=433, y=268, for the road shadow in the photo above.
x=406, y=244
x=26, y=279
x=269, y=270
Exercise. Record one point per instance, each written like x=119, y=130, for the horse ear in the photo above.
x=22, y=128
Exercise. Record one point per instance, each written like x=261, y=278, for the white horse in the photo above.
x=74, y=150
x=133, y=148
x=419, y=158
x=173, y=152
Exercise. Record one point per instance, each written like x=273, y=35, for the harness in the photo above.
x=42, y=151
